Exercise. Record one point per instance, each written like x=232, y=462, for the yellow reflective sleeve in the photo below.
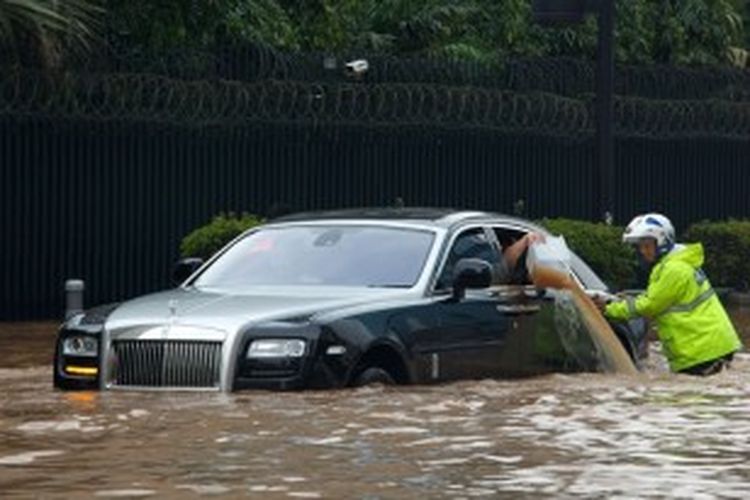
x=619, y=311
x=664, y=289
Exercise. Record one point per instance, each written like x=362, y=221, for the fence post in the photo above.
x=605, y=69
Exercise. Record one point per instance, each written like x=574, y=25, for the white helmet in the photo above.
x=654, y=226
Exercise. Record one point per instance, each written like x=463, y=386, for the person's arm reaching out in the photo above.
x=514, y=251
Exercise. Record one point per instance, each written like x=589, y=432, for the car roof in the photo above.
x=446, y=218
x=439, y=217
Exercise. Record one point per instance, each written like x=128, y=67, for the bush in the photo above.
x=207, y=240
x=601, y=247
x=727, y=246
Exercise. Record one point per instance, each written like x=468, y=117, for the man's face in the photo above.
x=647, y=248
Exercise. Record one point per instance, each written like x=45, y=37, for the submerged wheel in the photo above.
x=373, y=375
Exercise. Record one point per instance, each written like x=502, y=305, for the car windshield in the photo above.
x=359, y=256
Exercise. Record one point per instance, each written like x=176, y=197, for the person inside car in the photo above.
x=513, y=265
x=508, y=269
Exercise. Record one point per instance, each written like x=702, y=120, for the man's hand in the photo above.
x=514, y=251
x=532, y=238
x=600, y=301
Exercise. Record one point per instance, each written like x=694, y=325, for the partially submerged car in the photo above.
x=335, y=299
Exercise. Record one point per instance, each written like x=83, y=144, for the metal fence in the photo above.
x=96, y=187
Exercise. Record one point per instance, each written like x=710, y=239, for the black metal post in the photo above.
x=605, y=71
x=73, y=297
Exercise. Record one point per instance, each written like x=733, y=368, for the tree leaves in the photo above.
x=486, y=31
x=39, y=31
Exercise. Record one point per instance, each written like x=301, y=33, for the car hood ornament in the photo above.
x=172, y=304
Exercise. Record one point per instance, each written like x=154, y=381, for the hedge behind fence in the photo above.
x=727, y=246
x=601, y=247
x=206, y=240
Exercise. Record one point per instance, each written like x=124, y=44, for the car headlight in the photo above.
x=276, y=348
x=80, y=345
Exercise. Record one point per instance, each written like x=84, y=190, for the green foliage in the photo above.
x=206, y=240
x=601, y=246
x=392, y=26
x=727, y=247
x=40, y=31
x=262, y=21
x=688, y=32
x=743, y=8
x=702, y=31
x=164, y=24
x=636, y=31
x=488, y=31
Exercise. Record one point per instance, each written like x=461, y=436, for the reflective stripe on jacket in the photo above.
x=692, y=324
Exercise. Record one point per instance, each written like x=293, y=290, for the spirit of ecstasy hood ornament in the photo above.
x=172, y=310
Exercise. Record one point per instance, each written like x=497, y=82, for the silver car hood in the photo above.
x=230, y=311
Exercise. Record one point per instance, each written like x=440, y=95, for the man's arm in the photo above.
x=514, y=251
x=660, y=295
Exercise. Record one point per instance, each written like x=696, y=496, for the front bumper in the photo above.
x=317, y=369
x=314, y=374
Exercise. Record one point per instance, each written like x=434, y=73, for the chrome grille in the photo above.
x=171, y=363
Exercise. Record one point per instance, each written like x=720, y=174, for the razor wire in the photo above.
x=136, y=97
x=565, y=76
x=572, y=77
x=149, y=98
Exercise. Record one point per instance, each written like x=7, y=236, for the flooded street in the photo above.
x=596, y=436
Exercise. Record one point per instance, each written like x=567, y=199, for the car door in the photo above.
x=469, y=332
x=550, y=337
x=547, y=334
x=474, y=332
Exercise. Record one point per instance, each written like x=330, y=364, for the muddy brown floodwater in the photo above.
x=561, y=436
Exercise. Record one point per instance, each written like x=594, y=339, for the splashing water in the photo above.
x=575, y=313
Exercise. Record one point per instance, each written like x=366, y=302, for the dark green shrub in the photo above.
x=727, y=246
x=601, y=247
x=207, y=240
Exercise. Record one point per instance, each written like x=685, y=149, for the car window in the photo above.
x=588, y=278
x=472, y=243
x=336, y=255
x=581, y=271
x=506, y=237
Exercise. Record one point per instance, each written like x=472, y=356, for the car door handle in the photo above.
x=518, y=309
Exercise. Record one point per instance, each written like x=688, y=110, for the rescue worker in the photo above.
x=696, y=334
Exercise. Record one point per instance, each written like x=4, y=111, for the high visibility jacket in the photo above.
x=692, y=324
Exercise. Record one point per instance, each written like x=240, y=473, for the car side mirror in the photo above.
x=470, y=273
x=185, y=268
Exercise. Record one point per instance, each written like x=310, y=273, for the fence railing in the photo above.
x=154, y=98
x=104, y=167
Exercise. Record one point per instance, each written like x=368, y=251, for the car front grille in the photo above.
x=172, y=363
